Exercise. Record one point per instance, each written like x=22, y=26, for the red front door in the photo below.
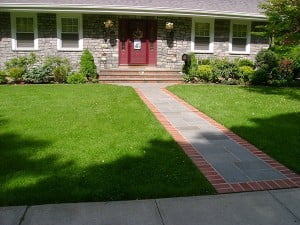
x=137, y=42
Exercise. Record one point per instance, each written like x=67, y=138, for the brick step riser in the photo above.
x=138, y=73
x=141, y=76
x=140, y=81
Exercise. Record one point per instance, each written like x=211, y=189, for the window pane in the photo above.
x=69, y=25
x=201, y=43
x=202, y=29
x=24, y=24
x=70, y=40
x=25, y=40
x=239, y=30
x=239, y=44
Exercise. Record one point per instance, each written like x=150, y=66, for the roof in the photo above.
x=216, y=7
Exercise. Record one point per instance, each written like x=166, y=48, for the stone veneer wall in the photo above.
x=105, y=46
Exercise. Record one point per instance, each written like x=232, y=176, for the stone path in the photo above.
x=277, y=207
x=230, y=163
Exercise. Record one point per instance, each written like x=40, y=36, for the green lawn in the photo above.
x=72, y=143
x=267, y=117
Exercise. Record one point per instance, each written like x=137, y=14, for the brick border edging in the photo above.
x=208, y=171
x=293, y=179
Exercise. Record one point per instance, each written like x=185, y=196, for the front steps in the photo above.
x=140, y=75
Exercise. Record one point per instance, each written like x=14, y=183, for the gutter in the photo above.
x=123, y=10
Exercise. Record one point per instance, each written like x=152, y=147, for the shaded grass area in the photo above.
x=73, y=143
x=267, y=117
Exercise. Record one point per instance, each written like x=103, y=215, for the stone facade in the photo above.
x=104, y=45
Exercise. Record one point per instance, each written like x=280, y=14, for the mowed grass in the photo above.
x=74, y=143
x=267, y=117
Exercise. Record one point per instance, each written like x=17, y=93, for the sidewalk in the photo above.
x=280, y=207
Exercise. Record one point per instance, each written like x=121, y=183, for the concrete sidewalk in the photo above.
x=280, y=207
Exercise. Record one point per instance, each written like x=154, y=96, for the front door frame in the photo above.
x=125, y=40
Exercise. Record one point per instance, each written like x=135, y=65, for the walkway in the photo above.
x=230, y=163
x=280, y=207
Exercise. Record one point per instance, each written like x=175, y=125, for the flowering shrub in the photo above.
x=205, y=73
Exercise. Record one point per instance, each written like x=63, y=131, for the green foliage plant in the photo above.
x=87, y=65
x=76, y=78
x=205, y=73
x=36, y=75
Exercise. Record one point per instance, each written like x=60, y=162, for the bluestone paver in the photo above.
x=230, y=159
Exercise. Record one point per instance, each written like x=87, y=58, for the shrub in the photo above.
x=266, y=59
x=3, y=79
x=286, y=69
x=266, y=63
x=224, y=70
x=60, y=73
x=36, y=75
x=204, y=62
x=76, y=78
x=18, y=66
x=295, y=56
x=246, y=72
x=245, y=62
x=87, y=65
x=193, y=65
x=21, y=61
x=55, y=61
x=58, y=67
x=205, y=72
x=188, y=79
x=16, y=73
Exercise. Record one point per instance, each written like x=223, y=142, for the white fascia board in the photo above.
x=130, y=11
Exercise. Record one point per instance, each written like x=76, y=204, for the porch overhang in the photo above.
x=123, y=10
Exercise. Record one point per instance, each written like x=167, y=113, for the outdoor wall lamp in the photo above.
x=109, y=33
x=169, y=26
x=170, y=33
x=108, y=24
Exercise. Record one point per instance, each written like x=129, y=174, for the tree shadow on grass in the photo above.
x=287, y=92
x=278, y=136
x=162, y=170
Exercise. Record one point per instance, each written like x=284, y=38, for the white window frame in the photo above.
x=211, y=21
x=14, y=31
x=59, y=31
x=248, y=37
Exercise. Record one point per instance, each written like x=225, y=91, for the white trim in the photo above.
x=14, y=33
x=211, y=21
x=124, y=10
x=80, y=32
x=248, y=47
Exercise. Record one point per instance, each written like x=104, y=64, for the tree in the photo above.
x=283, y=20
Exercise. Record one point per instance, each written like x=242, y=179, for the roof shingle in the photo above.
x=234, y=6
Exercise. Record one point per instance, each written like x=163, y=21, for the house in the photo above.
x=154, y=33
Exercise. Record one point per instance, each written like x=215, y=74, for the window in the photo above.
x=240, y=37
x=24, y=32
x=69, y=32
x=202, y=35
